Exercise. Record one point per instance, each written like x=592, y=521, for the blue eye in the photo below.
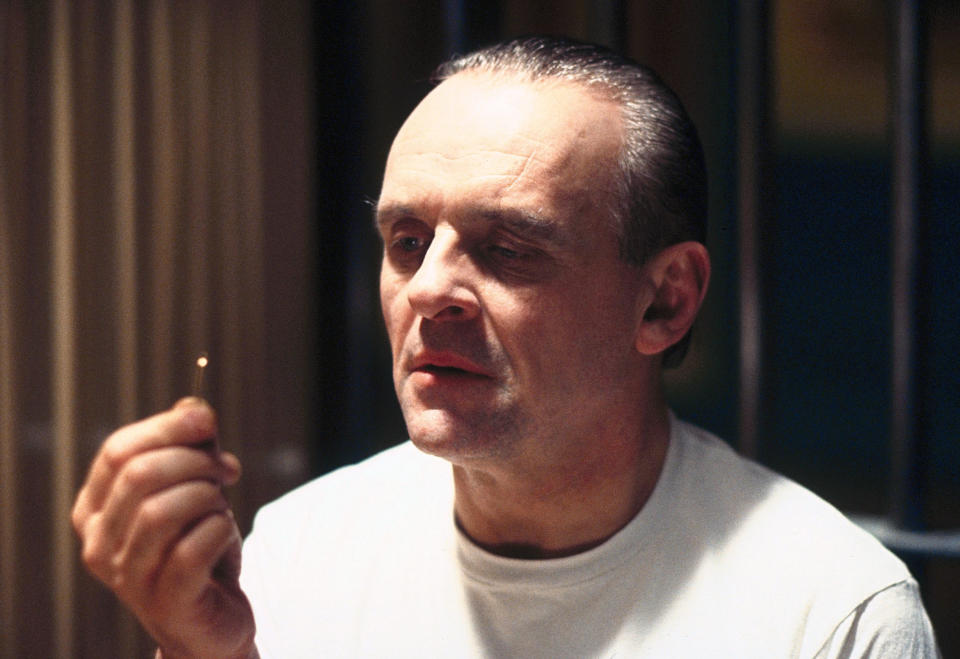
x=409, y=243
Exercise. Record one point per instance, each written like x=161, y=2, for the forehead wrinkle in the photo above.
x=523, y=170
x=453, y=155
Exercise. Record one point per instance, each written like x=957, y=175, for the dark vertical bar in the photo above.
x=607, y=21
x=909, y=289
x=455, y=26
x=469, y=24
x=752, y=162
x=345, y=430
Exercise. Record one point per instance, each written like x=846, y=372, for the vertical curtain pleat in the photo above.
x=125, y=245
x=10, y=86
x=163, y=207
x=63, y=315
x=198, y=179
x=9, y=516
x=8, y=424
x=125, y=209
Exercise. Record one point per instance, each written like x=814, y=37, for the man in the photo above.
x=542, y=216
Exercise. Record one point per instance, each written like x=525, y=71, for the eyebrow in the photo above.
x=524, y=223
x=383, y=215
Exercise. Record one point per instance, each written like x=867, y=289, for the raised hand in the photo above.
x=158, y=531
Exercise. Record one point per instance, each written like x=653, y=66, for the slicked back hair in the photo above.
x=660, y=195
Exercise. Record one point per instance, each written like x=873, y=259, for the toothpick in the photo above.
x=199, y=390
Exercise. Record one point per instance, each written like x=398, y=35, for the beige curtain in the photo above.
x=141, y=222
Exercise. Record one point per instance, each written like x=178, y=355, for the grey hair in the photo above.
x=660, y=195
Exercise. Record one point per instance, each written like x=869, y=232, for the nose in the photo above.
x=441, y=288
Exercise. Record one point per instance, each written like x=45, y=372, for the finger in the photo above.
x=160, y=524
x=190, y=565
x=190, y=422
x=232, y=468
x=148, y=473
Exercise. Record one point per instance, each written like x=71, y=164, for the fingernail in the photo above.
x=187, y=401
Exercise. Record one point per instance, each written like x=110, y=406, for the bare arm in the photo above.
x=157, y=530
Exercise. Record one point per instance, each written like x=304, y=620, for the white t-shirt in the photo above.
x=726, y=559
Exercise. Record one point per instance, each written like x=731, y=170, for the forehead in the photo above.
x=507, y=140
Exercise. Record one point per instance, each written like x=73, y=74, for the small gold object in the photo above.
x=199, y=388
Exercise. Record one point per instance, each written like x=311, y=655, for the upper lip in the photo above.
x=446, y=360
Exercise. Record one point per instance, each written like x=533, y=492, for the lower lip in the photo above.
x=438, y=375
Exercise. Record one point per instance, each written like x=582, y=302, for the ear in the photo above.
x=678, y=278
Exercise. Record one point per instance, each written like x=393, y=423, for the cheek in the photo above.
x=585, y=336
x=392, y=308
x=535, y=334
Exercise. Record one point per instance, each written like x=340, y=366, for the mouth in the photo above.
x=442, y=370
x=449, y=365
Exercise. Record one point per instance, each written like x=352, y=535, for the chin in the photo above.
x=433, y=432
x=439, y=433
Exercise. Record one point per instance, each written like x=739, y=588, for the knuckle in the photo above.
x=90, y=555
x=77, y=519
x=112, y=454
x=117, y=578
x=111, y=567
x=96, y=559
x=154, y=513
x=116, y=449
x=137, y=475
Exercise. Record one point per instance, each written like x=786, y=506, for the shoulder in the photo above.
x=775, y=539
x=891, y=623
x=773, y=515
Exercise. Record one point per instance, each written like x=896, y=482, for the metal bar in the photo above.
x=942, y=544
x=752, y=126
x=608, y=22
x=454, y=26
x=908, y=144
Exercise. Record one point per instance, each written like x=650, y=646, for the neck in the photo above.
x=568, y=506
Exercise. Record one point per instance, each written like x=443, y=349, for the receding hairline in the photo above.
x=597, y=89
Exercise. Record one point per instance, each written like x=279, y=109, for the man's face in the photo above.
x=510, y=315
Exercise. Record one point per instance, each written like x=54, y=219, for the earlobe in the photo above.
x=678, y=277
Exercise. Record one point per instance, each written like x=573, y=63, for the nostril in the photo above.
x=450, y=312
